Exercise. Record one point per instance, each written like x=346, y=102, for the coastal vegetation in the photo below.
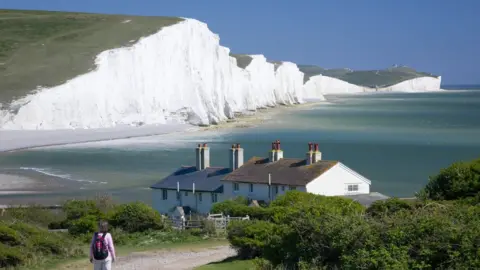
x=33, y=237
x=440, y=229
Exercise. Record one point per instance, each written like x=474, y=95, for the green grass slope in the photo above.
x=44, y=48
x=368, y=78
x=243, y=60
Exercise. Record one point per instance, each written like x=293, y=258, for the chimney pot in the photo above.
x=310, y=148
x=273, y=145
x=278, y=144
x=316, y=147
x=238, y=145
x=199, y=145
x=233, y=146
x=204, y=145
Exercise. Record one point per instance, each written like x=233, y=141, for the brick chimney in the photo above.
x=236, y=157
x=309, y=155
x=316, y=155
x=276, y=153
x=202, y=156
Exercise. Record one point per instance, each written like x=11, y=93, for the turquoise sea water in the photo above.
x=396, y=140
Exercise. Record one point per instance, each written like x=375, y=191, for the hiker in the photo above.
x=102, y=251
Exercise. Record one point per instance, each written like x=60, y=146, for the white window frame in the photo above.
x=352, y=188
x=164, y=194
x=236, y=186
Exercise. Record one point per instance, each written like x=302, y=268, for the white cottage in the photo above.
x=200, y=186
x=197, y=187
x=265, y=178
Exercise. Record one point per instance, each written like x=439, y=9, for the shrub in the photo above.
x=196, y=232
x=389, y=206
x=136, y=217
x=235, y=209
x=10, y=256
x=9, y=236
x=208, y=227
x=32, y=214
x=83, y=225
x=459, y=180
x=75, y=209
x=249, y=237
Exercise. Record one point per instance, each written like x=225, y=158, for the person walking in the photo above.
x=102, y=250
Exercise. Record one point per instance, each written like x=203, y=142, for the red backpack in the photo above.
x=100, y=250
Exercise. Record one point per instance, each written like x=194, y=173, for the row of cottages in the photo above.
x=260, y=178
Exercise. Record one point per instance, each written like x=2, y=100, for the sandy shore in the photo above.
x=16, y=181
x=15, y=140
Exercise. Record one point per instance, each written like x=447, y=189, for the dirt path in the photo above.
x=168, y=259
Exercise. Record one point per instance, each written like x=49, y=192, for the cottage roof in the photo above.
x=367, y=199
x=286, y=171
x=207, y=180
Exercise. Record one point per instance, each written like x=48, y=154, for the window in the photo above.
x=178, y=196
x=352, y=188
x=276, y=189
x=200, y=197
x=214, y=197
x=186, y=193
x=283, y=188
x=164, y=194
x=235, y=187
x=251, y=187
x=292, y=188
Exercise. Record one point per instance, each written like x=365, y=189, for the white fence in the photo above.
x=219, y=220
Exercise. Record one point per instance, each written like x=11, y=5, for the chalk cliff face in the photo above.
x=180, y=74
x=324, y=85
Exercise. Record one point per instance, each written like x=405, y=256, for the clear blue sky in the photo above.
x=438, y=36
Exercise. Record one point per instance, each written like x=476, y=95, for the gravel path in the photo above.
x=178, y=260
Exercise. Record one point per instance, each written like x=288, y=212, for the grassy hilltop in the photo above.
x=368, y=78
x=44, y=48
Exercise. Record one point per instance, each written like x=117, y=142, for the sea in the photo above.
x=397, y=140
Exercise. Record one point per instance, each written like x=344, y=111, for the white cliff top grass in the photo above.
x=44, y=48
x=367, y=78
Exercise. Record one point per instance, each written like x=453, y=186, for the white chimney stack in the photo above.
x=276, y=153
x=236, y=157
x=316, y=155
x=202, y=155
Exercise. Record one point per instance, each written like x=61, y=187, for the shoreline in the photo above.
x=21, y=140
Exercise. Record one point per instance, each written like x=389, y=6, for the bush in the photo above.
x=9, y=236
x=136, y=217
x=388, y=207
x=234, y=208
x=32, y=214
x=249, y=237
x=10, y=257
x=83, y=225
x=208, y=227
x=460, y=180
x=75, y=209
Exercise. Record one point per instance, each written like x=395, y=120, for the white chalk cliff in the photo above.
x=180, y=74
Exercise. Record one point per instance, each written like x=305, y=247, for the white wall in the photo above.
x=164, y=206
x=260, y=191
x=335, y=181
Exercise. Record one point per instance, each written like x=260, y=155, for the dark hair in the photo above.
x=103, y=226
